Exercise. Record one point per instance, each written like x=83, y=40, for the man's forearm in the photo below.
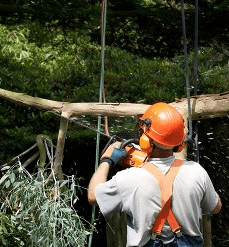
x=217, y=209
x=100, y=176
x=109, y=159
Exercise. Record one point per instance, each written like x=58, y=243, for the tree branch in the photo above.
x=203, y=106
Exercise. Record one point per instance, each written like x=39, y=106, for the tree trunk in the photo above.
x=116, y=230
x=60, y=145
x=203, y=106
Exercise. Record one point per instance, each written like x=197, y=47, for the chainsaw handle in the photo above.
x=123, y=144
x=127, y=142
x=112, y=139
x=135, y=157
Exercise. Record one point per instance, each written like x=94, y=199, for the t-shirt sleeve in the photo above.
x=108, y=197
x=210, y=198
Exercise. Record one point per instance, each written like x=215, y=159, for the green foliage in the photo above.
x=45, y=61
x=66, y=66
x=37, y=215
x=213, y=71
x=147, y=28
x=49, y=64
x=52, y=50
x=7, y=235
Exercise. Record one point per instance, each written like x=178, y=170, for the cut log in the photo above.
x=203, y=106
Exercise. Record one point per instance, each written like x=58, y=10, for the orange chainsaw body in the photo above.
x=134, y=158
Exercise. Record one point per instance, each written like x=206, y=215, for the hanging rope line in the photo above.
x=197, y=156
x=190, y=134
x=196, y=48
x=103, y=31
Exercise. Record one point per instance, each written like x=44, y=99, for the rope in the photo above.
x=196, y=48
x=103, y=30
x=186, y=72
x=197, y=156
x=192, y=136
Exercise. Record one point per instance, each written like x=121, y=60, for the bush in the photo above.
x=37, y=215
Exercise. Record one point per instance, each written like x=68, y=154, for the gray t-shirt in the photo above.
x=136, y=192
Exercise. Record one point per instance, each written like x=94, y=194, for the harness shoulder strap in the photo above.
x=166, y=186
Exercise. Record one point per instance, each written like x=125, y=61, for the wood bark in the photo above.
x=60, y=145
x=116, y=230
x=203, y=106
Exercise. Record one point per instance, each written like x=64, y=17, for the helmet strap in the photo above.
x=145, y=123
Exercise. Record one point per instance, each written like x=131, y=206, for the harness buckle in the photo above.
x=179, y=233
x=153, y=236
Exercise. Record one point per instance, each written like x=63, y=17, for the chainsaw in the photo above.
x=135, y=156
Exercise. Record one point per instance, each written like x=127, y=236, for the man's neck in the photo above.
x=161, y=153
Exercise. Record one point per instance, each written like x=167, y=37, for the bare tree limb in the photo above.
x=60, y=145
x=203, y=106
x=31, y=159
x=18, y=156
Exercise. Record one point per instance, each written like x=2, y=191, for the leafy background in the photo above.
x=51, y=49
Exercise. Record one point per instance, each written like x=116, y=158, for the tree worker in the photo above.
x=164, y=198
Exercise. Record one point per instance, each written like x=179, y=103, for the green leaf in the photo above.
x=12, y=177
x=4, y=178
x=4, y=229
x=4, y=241
x=7, y=184
x=5, y=168
x=63, y=183
x=66, y=210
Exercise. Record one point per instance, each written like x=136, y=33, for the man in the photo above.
x=164, y=198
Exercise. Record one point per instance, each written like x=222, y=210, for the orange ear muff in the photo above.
x=145, y=144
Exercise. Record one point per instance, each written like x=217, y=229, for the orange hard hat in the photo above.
x=163, y=124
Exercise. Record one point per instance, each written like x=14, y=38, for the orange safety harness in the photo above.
x=166, y=186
